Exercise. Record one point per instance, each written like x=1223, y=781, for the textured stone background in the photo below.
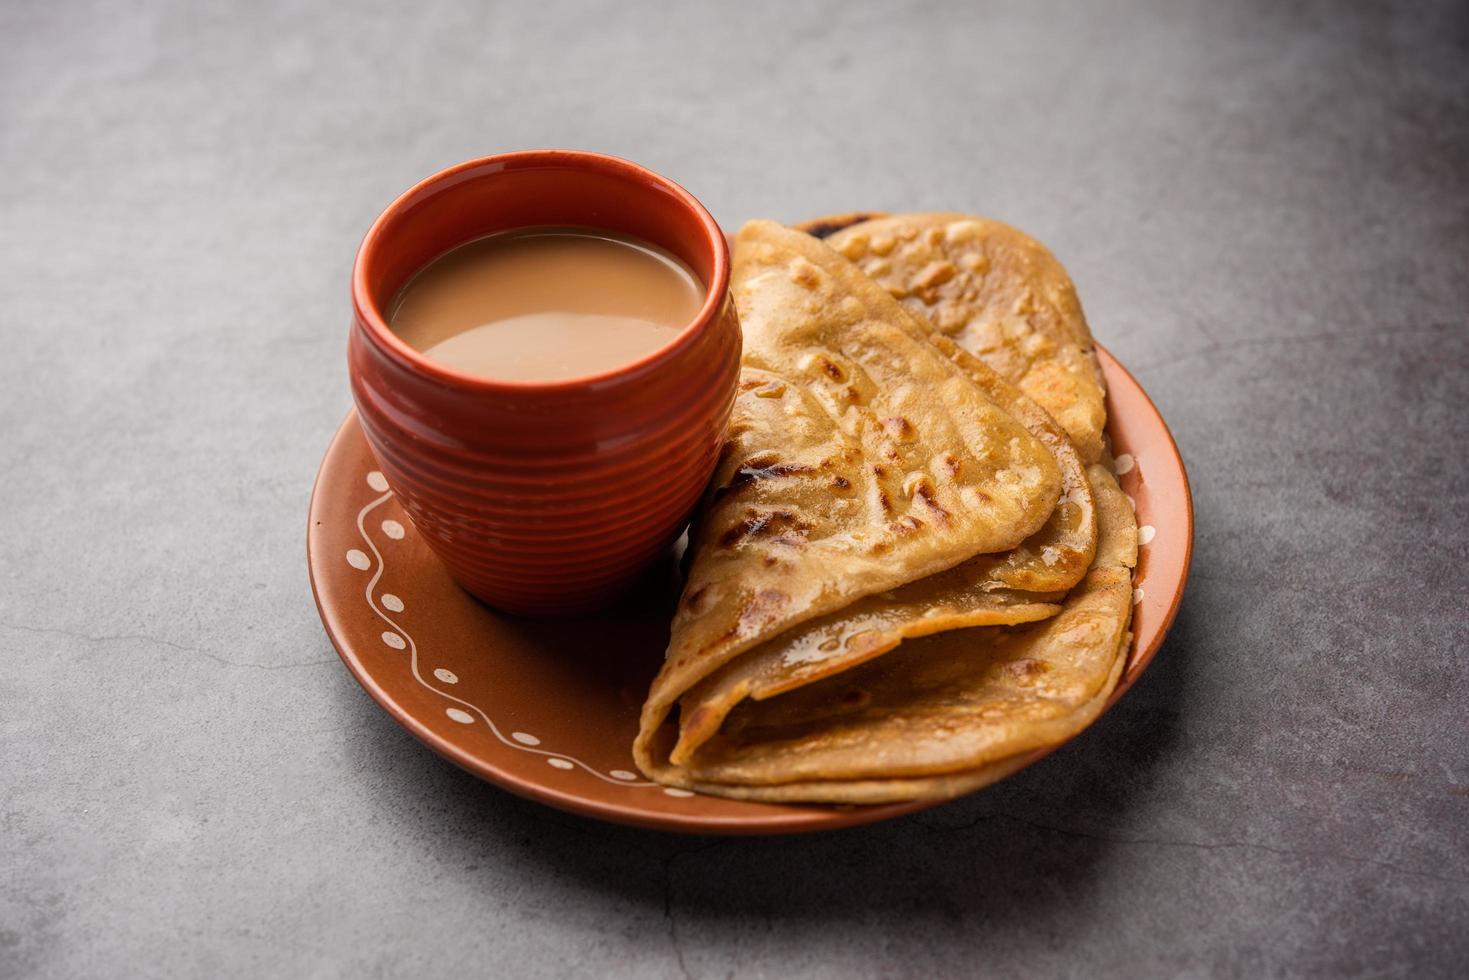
x=1266, y=209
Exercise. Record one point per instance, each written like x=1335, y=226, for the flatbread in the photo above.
x=940, y=715
x=1022, y=585
x=999, y=294
x=859, y=458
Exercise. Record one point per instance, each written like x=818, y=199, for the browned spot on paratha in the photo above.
x=830, y=225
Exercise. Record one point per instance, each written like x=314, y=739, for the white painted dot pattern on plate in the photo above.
x=387, y=603
x=1146, y=533
x=1137, y=595
x=1125, y=463
x=675, y=791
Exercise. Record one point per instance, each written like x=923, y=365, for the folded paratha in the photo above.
x=938, y=716
x=859, y=458
x=999, y=294
x=1018, y=586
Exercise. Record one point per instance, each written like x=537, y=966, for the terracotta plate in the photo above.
x=548, y=709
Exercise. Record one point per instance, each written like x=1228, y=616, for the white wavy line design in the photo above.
x=413, y=661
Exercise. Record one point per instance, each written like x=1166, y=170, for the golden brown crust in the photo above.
x=945, y=786
x=1018, y=586
x=839, y=641
x=942, y=715
x=829, y=707
x=833, y=486
x=1000, y=295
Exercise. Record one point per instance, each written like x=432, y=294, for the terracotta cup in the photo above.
x=544, y=497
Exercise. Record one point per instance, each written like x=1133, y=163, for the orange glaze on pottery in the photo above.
x=544, y=497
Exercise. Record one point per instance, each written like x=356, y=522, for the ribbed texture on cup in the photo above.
x=550, y=501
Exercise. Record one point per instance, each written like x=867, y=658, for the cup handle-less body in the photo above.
x=545, y=498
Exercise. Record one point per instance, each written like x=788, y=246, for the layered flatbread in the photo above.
x=1019, y=586
x=938, y=716
x=796, y=687
x=859, y=458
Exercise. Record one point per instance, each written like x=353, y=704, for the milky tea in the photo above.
x=546, y=304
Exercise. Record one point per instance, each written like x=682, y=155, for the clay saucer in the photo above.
x=548, y=708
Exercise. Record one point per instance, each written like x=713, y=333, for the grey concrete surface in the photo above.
x=1266, y=208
